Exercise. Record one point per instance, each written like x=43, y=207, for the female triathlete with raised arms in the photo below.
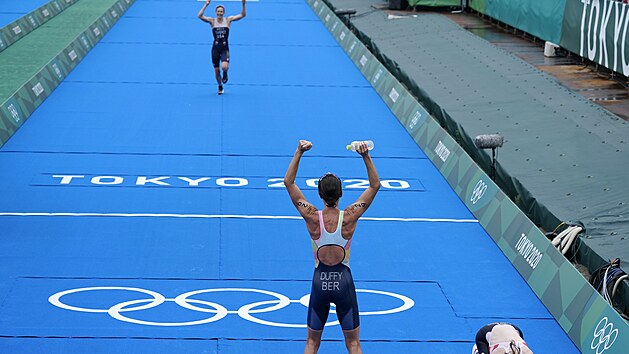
x=220, y=46
x=331, y=232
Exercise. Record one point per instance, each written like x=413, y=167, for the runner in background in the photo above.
x=220, y=46
x=331, y=231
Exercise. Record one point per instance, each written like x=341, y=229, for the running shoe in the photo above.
x=220, y=90
x=224, y=77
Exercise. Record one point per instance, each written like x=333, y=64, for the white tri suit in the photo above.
x=332, y=284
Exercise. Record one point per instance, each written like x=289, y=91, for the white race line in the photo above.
x=226, y=216
x=229, y=0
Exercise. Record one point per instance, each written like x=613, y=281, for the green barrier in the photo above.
x=479, y=5
x=434, y=3
x=597, y=30
x=19, y=28
x=541, y=19
x=593, y=325
x=19, y=106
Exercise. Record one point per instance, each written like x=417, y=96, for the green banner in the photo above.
x=541, y=19
x=19, y=28
x=434, y=3
x=597, y=30
x=592, y=324
x=479, y=5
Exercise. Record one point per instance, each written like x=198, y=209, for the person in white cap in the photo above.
x=500, y=338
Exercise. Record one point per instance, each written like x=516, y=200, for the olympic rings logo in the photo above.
x=478, y=192
x=605, y=339
x=216, y=311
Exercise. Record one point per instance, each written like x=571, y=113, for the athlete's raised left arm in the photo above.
x=358, y=208
x=241, y=15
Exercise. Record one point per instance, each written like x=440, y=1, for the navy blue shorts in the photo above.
x=333, y=284
x=219, y=53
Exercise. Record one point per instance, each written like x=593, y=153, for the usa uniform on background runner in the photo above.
x=220, y=45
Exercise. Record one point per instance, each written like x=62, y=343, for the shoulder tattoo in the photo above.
x=358, y=205
x=309, y=208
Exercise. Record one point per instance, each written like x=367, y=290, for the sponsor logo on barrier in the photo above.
x=57, y=6
x=128, y=1
x=416, y=117
x=527, y=249
x=316, y=4
x=96, y=31
x=442, y=151
x=55, y=67
x=1, y=43
x=197, y=181
x=114, y=14
x=45, y=12
x=33, y=22
x=377, y=76
x=216, y=311
x=72, y=55
x=604, y=336
x=85, y=42
x=334, y=27
x=327, y=17
x=342, y=36
x=363, y=60
x=106, y=22
x=68, y=1
x=14, y=113
x=16, y=30
x=351, y=48
x=394, y=95
x=478, y=192
x=321, y=11
x=600, y=20
x=38, y=89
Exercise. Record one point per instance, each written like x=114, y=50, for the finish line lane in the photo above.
x=99, y=308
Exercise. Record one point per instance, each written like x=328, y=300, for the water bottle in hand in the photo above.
x=354, y=145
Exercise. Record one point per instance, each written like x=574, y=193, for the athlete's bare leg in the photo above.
x=217, y=74
x=313, y=341
x=225, y=65
x=352, y=341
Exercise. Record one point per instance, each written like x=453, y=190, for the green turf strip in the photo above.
x=29, y=55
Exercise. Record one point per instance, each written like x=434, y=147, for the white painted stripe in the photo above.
x=228, y=1
x=419, y=219
x=225, y=216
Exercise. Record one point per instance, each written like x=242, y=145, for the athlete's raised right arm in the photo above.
x=306, y=210
x=358, y=208
x=200, y=15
